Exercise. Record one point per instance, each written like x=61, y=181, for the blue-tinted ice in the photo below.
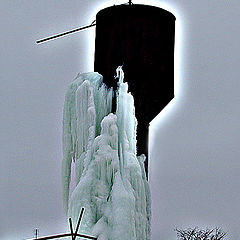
x=110, y=179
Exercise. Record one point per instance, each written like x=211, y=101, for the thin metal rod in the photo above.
x=72, y=234
x=71, y=227
x=65, y=33
x=78, y=224
x=66, y=235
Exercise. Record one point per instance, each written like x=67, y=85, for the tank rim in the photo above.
x=137, y=6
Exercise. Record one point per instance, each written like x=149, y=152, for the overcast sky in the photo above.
x=195, y=165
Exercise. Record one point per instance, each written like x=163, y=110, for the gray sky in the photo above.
x=194, y=172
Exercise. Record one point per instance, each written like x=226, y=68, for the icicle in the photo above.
x=111, y=181
x=86, y=103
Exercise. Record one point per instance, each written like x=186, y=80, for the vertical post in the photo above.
x=36, y=231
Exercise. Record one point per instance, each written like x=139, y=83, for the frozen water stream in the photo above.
x=110, y=179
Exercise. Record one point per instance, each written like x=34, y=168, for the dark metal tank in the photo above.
x=141, y=38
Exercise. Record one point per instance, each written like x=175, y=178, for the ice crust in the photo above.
x=110, y=179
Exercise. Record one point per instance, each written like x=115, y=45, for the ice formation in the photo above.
x=110, y=179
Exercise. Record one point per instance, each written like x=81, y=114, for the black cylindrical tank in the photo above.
x=141, y=38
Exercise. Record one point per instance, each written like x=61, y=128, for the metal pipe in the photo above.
x=65, y=33
x=65, y=235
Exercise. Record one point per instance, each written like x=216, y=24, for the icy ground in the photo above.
x=110, y=180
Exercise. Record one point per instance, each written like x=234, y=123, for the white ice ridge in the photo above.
x=110, y=179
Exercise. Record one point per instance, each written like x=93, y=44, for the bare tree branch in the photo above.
x=200, y=234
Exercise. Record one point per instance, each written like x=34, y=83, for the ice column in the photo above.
x=110, y=179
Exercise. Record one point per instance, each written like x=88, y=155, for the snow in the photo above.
x=110, y=179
